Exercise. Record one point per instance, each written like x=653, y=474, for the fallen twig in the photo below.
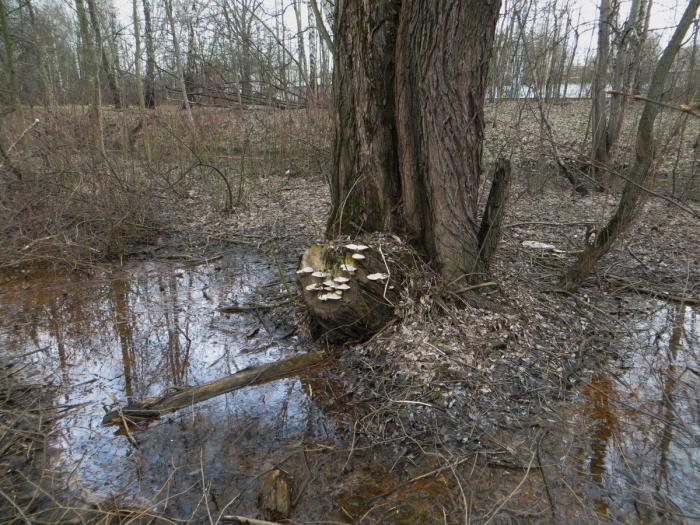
x=242, y=520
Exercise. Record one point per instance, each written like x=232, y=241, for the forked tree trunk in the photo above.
x=409, y=86
x=644, y=151
x=623, y=75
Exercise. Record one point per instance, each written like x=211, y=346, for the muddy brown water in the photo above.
x=626, y=448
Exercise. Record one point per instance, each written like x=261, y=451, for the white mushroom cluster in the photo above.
x=330, y=287
x=330, y=284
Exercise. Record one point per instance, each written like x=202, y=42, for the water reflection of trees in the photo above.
x=642, y=454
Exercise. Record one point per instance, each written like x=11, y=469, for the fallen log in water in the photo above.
x=155, y=407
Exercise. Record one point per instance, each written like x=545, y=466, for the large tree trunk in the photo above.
x=639, y=171
x=409, y=85
x=443, y=51
x=365, y=186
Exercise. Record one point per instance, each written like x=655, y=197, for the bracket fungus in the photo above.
x=356, y=247
x=346, y=301
x=331, y=296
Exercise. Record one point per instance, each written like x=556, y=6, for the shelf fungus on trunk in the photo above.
x=349, y=291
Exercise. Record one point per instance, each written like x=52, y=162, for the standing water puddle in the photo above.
x=626, y=451
x=138, y=330
x=641, y=425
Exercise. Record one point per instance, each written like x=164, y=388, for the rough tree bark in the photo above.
x=492, y=221
x=365, y=186
x=644, y=152
x=443, y=51
x=409, y=86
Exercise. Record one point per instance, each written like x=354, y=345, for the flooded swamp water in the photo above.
x=624, y=450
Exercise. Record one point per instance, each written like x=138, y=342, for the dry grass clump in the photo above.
x=72, y=219
x=63, y=204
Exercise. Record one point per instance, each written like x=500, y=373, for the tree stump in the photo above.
x=349, y=289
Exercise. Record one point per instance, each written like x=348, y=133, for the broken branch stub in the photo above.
x=350, y=294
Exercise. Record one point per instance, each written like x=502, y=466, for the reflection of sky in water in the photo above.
x=142, y=329
x=138, y=331
x=649, y=431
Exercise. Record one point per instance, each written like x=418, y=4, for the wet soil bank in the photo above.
x=548, y=408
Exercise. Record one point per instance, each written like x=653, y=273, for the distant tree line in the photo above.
x=280, y=53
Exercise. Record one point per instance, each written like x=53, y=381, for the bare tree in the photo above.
x=107, y=66
x=600, y=82
x=91, y=79
x=313, y=74
x=149, y=87
x=638, y=173
x=9, y=58
x=303, y=69
x=178, y=60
